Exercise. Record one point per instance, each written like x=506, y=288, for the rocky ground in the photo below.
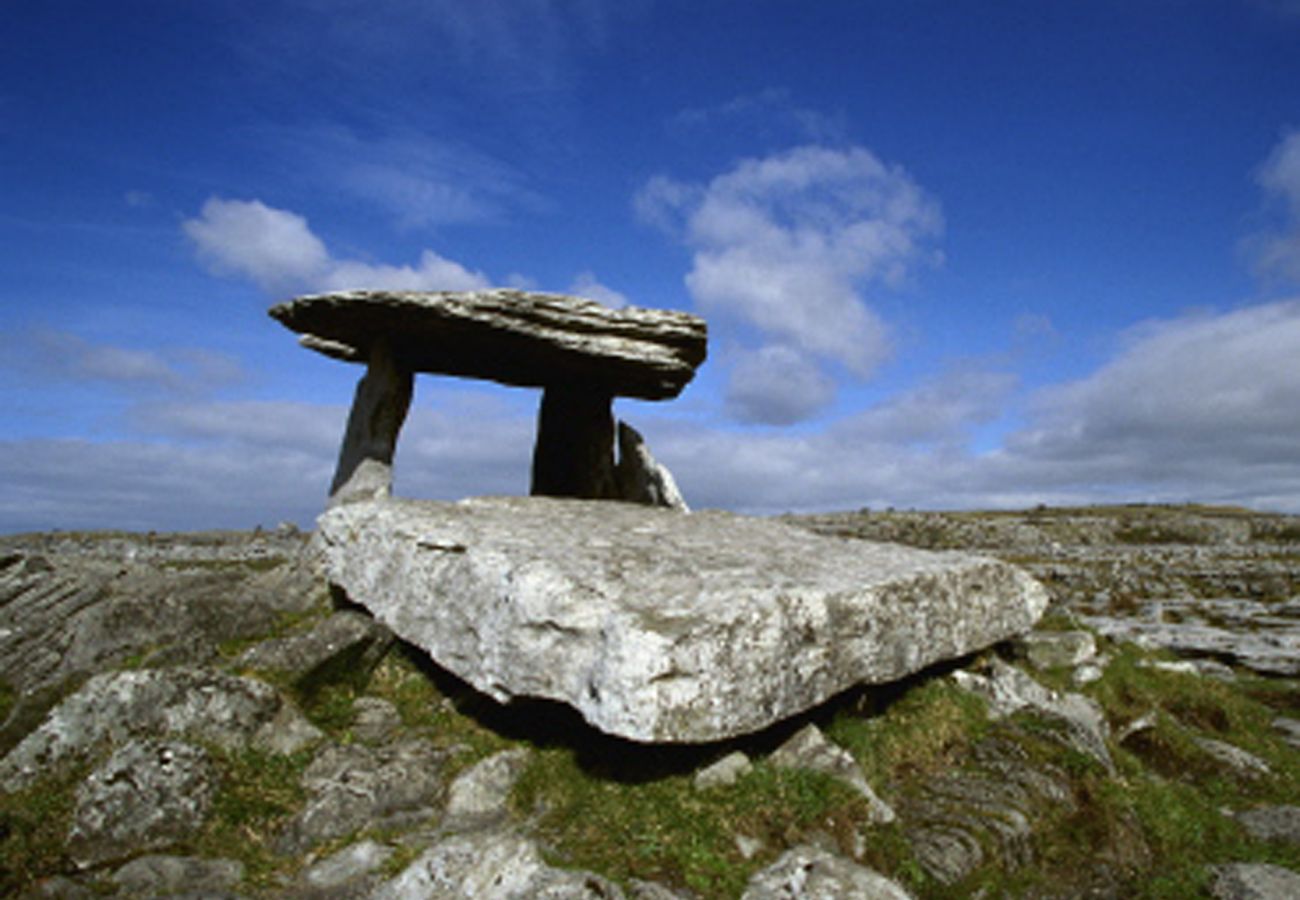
x=196, y=714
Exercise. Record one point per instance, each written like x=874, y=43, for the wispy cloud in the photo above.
x=770, y=113
x=1275, y=252
x=51, y=354
x=789, y=244
x=277, y=250
x=418, y=180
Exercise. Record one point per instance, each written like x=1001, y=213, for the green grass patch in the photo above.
x=435, y=703
x=924, y=729
x=260, y=792
x=34, y=824
x=8, y=697
x=665, y=830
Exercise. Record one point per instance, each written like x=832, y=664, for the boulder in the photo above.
x=154, y=876
x=353, y=786
x=814, y=874
x=493, y=865
x=809, y=749
x=657, y=626
x=149, y=795
x=1273, y=823
x=1254, y=881
x=116, y=707
x=513, y=337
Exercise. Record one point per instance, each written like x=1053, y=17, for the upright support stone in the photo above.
x=574, y=454
x=640, y=477
x=365, y=468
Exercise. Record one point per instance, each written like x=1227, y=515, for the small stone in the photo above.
x=1144, y=722
x=811, y=873
x=808, y=748
x=149, y=795
x=352, y=862
x=723, y=772
x=1243, y=763
x=162, y=875
x=1254, y=881
x=482, y=792
x=1289, y=729
x=1272, y=823
x=748, y=847
x=375, y=720
x=649, y=890
x=1057, y=649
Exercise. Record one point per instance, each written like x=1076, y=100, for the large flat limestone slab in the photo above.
x=515, y=337
x=661, y=626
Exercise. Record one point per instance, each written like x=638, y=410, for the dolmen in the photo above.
x=655, y=625
x=581, y=353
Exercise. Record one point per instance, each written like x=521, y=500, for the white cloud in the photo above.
x=1208, y=389
x=277, y=250
x=236, y=465
x=65, y=356
x=790, y=243
x=587, y=285
x=1276, y=253
x=776, y=385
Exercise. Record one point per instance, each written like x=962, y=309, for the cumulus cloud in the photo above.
x=1276, y=252
x=777, y=385
x=790, y=243
x=1207, y=388
x=277, y=250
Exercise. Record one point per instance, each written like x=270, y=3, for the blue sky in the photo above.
x=952, y=255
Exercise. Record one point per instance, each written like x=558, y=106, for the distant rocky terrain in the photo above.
x=200, y=715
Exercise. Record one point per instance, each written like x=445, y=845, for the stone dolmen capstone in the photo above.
x=581, y=354
x=657, y=626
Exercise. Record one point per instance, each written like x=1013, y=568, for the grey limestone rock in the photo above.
x=657, y=626
x=1273, y=823
x=640, y=477
x=482, y=792
x=354, y=786
x=375, y=720
x=148, y=795
x=492, y=865
x=114, y=707
x=352, y=863
x=1289, y=729
x=1254, y=881
x=346, y=645
x=1008, y=689
x=811, y=873
x=808, y=749
x=723, y=772
x=1055, y=649
x=155, y=875
x=1241, y=762
x=514, y=337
